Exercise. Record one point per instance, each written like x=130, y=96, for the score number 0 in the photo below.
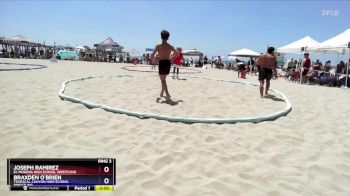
x=106, y=170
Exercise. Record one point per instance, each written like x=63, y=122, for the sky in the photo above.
x=214, y=27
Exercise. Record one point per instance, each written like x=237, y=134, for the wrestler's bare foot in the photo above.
x=168, y=96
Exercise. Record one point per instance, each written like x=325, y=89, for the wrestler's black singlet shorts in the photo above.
x=265, y=73
x=164, y=67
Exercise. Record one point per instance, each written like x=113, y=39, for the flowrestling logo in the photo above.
x=330, y=12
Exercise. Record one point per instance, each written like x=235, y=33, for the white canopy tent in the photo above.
x=109, y=44
x=298, y=47
x=192, y=52
x=80, y=48
x=295, y=47
x=335, y=45
x=339, y=44
x=232, y=58
x=20, y=38
x=244, y=53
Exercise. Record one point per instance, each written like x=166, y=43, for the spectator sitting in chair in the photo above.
x=327, y=66
x=340, y=68
x=317, y=65
x=295, y=76
x=311, y=74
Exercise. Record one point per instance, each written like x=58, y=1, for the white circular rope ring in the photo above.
x=143, y=115
x=29, y=67
x=183, y=70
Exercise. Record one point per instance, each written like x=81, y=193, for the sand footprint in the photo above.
x=210, y=139
x=221, y=188
x=158, y=188
x=162, y=162
x=240, y=157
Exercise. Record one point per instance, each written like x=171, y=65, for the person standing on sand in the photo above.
x=177, y=63
x=266, y=66
x=164, y=51
x=306, y=67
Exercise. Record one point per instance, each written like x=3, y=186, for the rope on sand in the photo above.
x=143, y=115
x=129, y=68
x=31, y=67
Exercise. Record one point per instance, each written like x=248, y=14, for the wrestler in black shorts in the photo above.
x=164, y=67
x=265, y=73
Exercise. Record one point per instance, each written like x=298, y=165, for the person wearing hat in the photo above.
x=306, y=67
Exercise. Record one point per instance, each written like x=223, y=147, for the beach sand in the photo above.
x=306, y=152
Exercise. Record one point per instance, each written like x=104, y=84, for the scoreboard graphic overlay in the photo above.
x=61, y=174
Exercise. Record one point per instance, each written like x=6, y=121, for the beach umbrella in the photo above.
x=149, y=49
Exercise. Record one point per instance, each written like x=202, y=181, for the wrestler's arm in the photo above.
x=258, y=61
x=275, y=68
x=175, y=52
x=154, y=53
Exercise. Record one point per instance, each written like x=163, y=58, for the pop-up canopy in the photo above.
x=20, y=38
x=80, y=48
x=295, y=47
x=192, y=52
x=339, y=44
x=244, y=53
x=335, y=45
x=108, y=44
